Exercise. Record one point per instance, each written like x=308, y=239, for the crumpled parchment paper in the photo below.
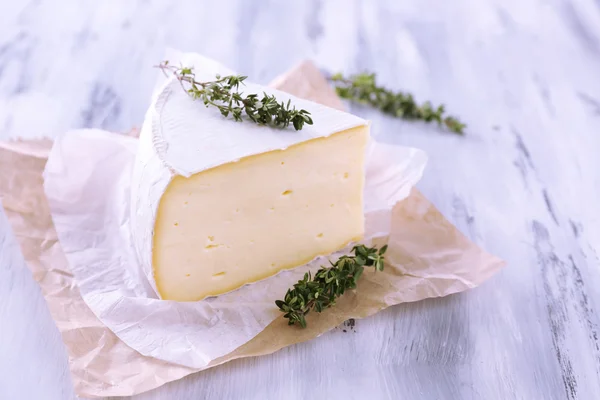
x=445, y=262
x=87, y=180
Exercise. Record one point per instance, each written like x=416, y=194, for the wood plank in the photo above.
x=524, y=182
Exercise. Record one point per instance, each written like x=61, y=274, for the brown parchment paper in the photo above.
x=445, y=262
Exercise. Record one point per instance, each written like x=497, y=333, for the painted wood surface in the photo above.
x=524, y=182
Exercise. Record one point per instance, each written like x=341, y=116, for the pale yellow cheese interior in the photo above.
x=247, y=220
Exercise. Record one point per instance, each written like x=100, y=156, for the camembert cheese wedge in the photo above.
x=217, y=204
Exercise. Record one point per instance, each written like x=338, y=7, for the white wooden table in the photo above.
x=524, y=182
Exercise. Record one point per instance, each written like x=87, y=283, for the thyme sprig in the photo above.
x=362, y=88
x=329, y=283
x=223, y=94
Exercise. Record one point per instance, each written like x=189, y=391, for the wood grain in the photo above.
x=524, y=182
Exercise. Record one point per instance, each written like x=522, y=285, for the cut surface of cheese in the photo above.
x=216, y=203
x=247, y=220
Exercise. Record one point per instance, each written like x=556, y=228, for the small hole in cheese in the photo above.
x=219, y=273
x=187, y=275
x=346, y=175
x=176, y=224
x=286, y=193
x=332, y=205
x=185, y=203
x=282, y=163
x=320, y=235
x=211, y=238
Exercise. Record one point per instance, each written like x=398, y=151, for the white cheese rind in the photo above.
x=181, y=136
x=190, y=137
